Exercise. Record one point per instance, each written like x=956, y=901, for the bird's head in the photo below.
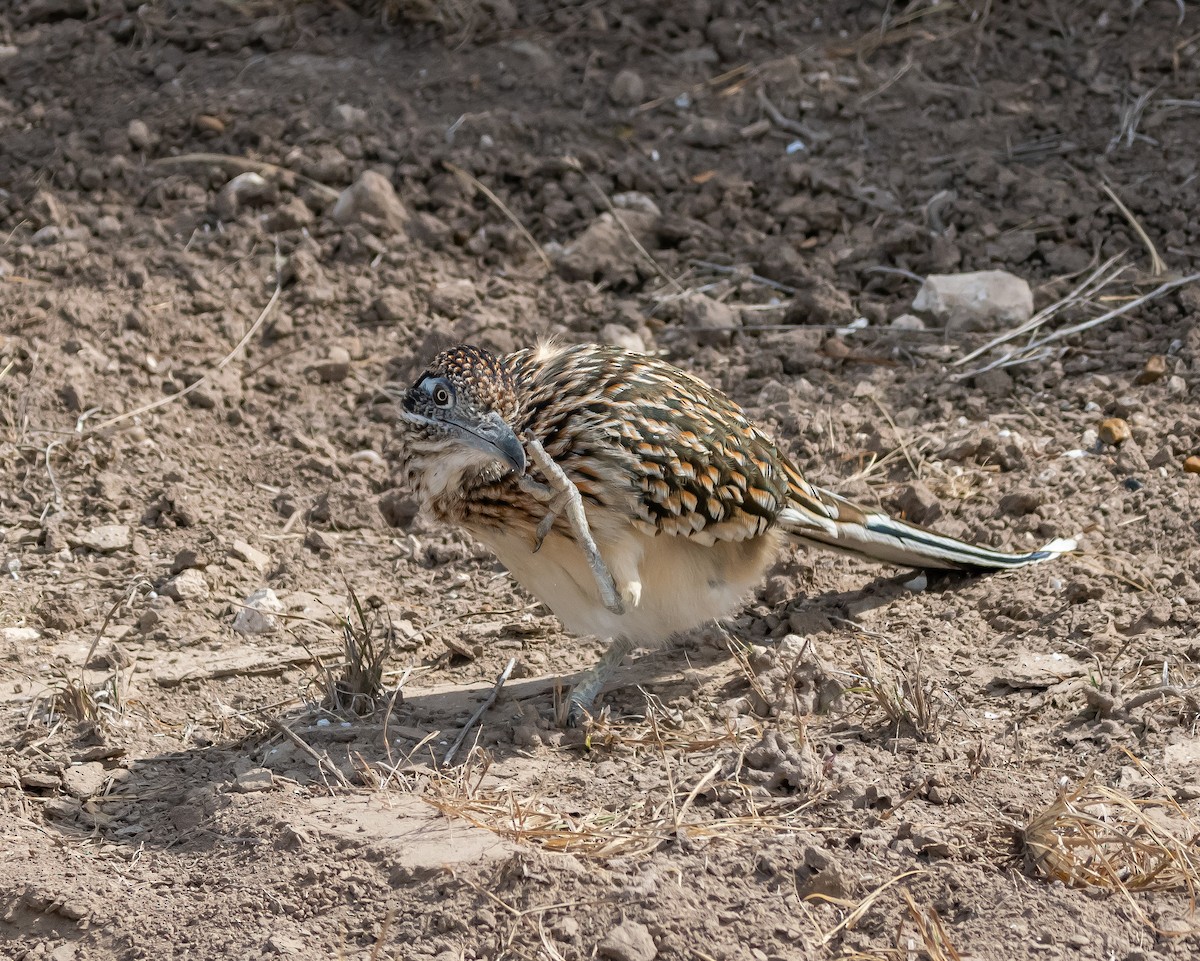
x=462, y=409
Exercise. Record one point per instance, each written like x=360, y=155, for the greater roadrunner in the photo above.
x=684, y=501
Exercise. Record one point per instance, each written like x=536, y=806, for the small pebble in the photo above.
x=1114, y=431
x=1192, y=464
x=627, y=89
x=1155, y=369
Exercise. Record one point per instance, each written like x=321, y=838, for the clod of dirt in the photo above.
x=450, y=298
x=629, y=941
x=1022, y=502
x=335, y=367
x=257, y=779
x=919, y=504
x=189, y=585
x=627, y=89
x=85, y=780
x=817, y=301
x=777, y=765
x=983, y=300
x=107, y=538
x=790, y=678
x=605, y=252
x=713, y=318
x=257, y=615
x=188, y=557
x=251, y=555
x=398, y=508
x=371, y=197
x=291, y=215
x=1114, y=431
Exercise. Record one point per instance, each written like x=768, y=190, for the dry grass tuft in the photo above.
x=906, y=698
x=1098, y=837
x=368, y=638
x=931, y=930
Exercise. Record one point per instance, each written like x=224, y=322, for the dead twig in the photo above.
x=320, y=760
x=621, y=225
x=1157, y=267
x=476, y=184
x=207, y=376
x=479, y=712
x=244, y=165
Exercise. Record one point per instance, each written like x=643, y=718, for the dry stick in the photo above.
x=785, y=123
x=487, y=702
x=244, y=165
x=1157, y=267
x=861, y=908
x=1012, y=358
x=321, y=760
x=733, y=74
x=162, y=402
x=479, y=185
x=1093, y=282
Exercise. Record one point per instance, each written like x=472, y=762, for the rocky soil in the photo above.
x=226, y=226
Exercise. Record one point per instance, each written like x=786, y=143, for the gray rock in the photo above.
x=140, y=136
x=629, y=941
x=257, y=779
x=189, y=585
x=244, y=189
x=107, y=538
x=627, y=89
x=251, y=555
x=371, y=195
x=984, y=300
x=346, y=116
x=257, y=615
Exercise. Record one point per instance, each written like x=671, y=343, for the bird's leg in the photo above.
x=579, y=701
x=566, y=500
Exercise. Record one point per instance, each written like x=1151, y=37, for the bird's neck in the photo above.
x=443, y=478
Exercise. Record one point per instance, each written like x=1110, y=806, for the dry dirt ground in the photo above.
x=852, y=768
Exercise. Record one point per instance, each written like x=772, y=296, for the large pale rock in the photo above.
x=629, y=941
x=107, y=538
x=257, y=615
x=371, y=195
x=189, y=585
x=984, y=300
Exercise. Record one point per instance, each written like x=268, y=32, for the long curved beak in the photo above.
x=493, y=436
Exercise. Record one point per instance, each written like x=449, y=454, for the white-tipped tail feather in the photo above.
x=856, y=530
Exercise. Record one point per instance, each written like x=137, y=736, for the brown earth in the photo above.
x=848, y=769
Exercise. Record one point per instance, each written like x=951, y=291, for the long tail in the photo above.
x=823, y=518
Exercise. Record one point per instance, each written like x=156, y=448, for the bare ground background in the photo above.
x=847, y=770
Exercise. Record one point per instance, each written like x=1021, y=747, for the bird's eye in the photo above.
x=441, y=395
